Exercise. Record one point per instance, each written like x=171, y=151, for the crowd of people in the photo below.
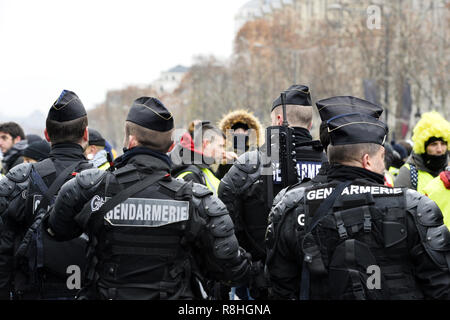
x=228, y=211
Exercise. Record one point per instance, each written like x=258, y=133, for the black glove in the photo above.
x=259, y=283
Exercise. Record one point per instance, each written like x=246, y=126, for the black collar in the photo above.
x=160, y=160
x=342, y=172
x=67, y=150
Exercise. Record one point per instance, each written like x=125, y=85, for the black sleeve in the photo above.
x=13, y=217
x=283, y=268
x=61, y=223
x=429, y=242
x=218, y=253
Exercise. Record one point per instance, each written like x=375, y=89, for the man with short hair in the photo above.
x=12, y=143
x=151, y=236
x=95, y=152
x=352, y=238
x=244, y=189
x=192, y=158
x=334, y=106
x=33, y=266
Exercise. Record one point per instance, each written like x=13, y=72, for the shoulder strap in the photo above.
x=56, y=185
x=319, y=215
x=414, y=176
x=97, y=216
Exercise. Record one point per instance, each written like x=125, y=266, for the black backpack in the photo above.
x=42, y=261
x=352, y=271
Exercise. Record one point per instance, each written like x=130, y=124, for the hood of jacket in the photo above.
x=245, y=117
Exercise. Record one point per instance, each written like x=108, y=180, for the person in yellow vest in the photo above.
x=95, y=152
x=430, y=152
x=438, y=190
x=192, y=158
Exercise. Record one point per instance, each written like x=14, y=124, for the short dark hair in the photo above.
x=12, y=129
x=66, y=131
x=207, y=132
x=152, y=139
x=351, y=152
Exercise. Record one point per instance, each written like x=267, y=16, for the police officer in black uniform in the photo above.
x=151, y=236
x=352, y=237
x=243, y=188
x=334, y=106
x=35, y=267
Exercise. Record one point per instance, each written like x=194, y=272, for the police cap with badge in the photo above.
x=150, y=113
x=67, y=107
x=353, y=128
x=331, y=107
x=296, y=94
x=334, y=106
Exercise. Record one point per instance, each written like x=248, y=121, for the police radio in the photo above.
x=280, y=149
x=288, y=162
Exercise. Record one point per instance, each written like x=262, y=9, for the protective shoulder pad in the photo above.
x=7, y=186
x=20, y=172
x=293, y=196
x=439, y=238
x=90, y=177
x=437, y=245
x=200, y=191
x=280, y=196
x=412, y=198
x=249, y=162
x=427, y=212
x=289, y=200
x=214, y=207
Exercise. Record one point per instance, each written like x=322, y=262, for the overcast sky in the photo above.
x=92, y=46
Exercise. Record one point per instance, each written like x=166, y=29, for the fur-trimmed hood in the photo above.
x=243, y=116
x=431, y=124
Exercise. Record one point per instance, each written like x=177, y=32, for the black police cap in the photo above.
x=67, y=107
x=37, y=150
x=296, y=94
x=95, y=138
x=331, y=107
x=351, y=128
x=150, y=113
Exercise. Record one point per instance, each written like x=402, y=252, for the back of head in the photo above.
x=430, y=125
x=13, y=129
x=298, y=106
x=67, y=119
x=334, y=106
x=150, y=123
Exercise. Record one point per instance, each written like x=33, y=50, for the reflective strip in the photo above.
x=211, y=180
x=104, y=166
x=183, y=174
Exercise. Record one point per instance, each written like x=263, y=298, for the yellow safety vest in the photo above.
x=437, y=192
x=423, y=178
x=211, y=180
